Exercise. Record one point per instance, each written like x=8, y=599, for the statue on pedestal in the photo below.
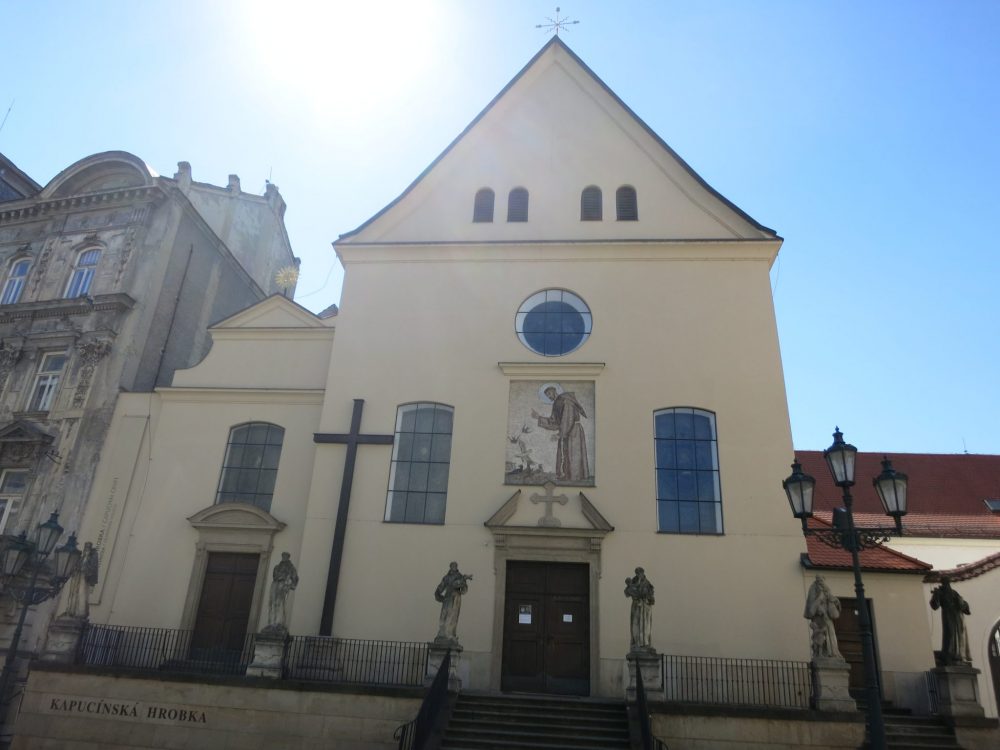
x=449, y=592
x=284, y=579
x=79, y=585
x=954, y=639
x=822, y=608
x=640, y=591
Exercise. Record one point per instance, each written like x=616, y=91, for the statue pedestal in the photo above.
x=435, y=657
x=651, y=666
x=958, y=691
x=831, y=683
x=268, y=655
x=63, y=640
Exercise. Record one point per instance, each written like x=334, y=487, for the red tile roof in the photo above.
x=965, y=572
x=946, y=492
x=882, y=559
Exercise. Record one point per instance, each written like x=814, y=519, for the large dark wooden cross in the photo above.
x=352, y=439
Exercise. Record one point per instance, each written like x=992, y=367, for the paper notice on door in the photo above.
x=524, y=614
x=567, y=618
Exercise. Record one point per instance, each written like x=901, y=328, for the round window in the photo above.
x=553, y=322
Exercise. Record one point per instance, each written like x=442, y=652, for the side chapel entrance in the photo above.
x=546, y=642
x=225, y=604
x=848, y=628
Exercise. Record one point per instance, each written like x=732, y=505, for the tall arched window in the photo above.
x=688, y=494
x=421, y=456
x=517, y=205
x=250, y=467
x=83, y=273
x=482, y=209
x=14, y=285
x=626, y=204
x=591, y=204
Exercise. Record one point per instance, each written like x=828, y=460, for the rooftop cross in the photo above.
x=555, y=24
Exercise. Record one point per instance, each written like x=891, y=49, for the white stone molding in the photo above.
x=231, y=527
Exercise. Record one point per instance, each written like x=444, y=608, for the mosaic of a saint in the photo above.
x=551, y=433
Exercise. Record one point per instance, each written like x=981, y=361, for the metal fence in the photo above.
x=746, y=682
x=352, y=660
x=162, y=650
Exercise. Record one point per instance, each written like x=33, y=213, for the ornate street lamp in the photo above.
x=17, y=554
x=891, y=488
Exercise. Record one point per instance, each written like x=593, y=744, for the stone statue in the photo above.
x=822, y=608
x=954, y=639
x=640, y=591
x=449, y=592
x=79, y=585
x=284, y=579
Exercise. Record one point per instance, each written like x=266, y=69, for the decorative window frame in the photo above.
x=13, y=286
x=483, y=206
x=591, y=204
x=518, y=203
x=12, y=499
x=37, y=402
x=716, y=471
x=394, y=462
x=81, y=277
x=231, y=527
x=239, y=469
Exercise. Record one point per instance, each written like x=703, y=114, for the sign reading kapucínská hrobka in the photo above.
x=111, y=708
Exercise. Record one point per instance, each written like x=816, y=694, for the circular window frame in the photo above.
x=552, y=294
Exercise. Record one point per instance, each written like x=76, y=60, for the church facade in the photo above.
x=555, y=361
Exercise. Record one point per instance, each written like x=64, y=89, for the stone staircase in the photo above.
x=903, y=730
x=526, y=722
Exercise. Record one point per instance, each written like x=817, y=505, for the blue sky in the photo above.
x=864, y=133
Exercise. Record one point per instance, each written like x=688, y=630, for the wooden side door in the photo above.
x=848, y=628
x=226, y=598
x=546, y=646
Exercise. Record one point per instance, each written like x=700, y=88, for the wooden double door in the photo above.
x=546, y=642
x=225, y=603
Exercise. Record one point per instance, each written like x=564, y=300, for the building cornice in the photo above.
x=59, y=308
x=294, y=396
x=551, y=369
x=31, y=209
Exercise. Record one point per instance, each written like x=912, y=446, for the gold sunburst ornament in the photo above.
x=286, y=277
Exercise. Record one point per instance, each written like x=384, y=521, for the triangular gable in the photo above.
x=277, y=311
x=555, y=129
x=20, y=431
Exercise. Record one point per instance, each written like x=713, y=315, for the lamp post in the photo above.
x=20, y=553
x=891, y=487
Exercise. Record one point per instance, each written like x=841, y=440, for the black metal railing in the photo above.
x=414, y=735
x=747, y=682
x=351, y=660
x=642, y=711
x=163, y=650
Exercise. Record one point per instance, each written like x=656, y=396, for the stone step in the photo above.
x=526, y=722
x=540, y=728
x=548, y=718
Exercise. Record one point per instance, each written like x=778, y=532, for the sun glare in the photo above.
x=342, y=56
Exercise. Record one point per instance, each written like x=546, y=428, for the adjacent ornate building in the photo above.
x=109, y=277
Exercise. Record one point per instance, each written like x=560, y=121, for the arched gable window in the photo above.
x=482, y=210
x=517, y=205
x=688, y=494
x=421, y=456
x=626, y=204
x=250, y=467
x=14, y=285
x=591, y=204
x=83, y=273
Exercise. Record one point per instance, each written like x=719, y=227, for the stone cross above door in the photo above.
x=549, y=520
